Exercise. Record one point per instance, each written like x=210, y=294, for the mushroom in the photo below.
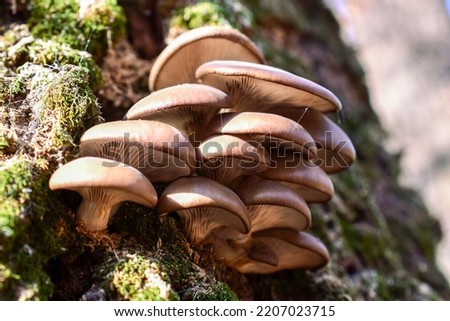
x=295, y=250
x=256, y=87
x=102, y=188
x=304, y=177
x=271, y=204
x=226, y=158
x=203, y=205
x=178, y=61
x=268, y=251
x=274, y=132
x=240, y=251
x=187, y=107
x=160, y=151
x=335, y=151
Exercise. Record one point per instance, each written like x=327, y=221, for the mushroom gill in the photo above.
x=227, y=158
x=256, y=87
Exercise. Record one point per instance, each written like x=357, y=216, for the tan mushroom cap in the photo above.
x=256, y=87
x=295, y=250
x=160, y=151
x=306, y=178
x=335, y=149
x=203, y=205
x=187, y=107
x=102, y=186
x=178, y=61
x=226, y=158
x=273, y=131
x=271, y=204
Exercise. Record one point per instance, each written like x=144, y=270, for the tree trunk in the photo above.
x=381, y=239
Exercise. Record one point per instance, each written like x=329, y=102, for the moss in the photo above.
x=165, y=246
x=94, y=28
x=72, y=104
x=212, y=13
x=34, y=228
x=49, y=53
x=140, y=278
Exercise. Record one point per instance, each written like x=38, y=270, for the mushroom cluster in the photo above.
x=244, y=148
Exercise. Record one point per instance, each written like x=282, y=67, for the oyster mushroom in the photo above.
x=270, y=204
x=178, y=61
x=274, y=132
x=203, y=205
x=187, y=107
x=160, y=151
x=306, y=178
x=256, y=87
x=295, y=250
x=268, y=251
x=240, y=251
x=335, y=151
x=102, y=188
x=226, y=158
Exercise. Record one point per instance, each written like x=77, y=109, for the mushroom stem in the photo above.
x=95, y=214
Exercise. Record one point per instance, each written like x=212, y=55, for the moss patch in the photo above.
x=92, y=28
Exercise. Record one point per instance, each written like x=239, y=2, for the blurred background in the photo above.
x=404, y=47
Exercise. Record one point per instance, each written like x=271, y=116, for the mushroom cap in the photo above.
x=102, y=186
x=225, y=158
x=187, y=107
x=335, y=151
x=203, y=205
x=178, y=61
x=271, y=204
x=295, y=250
x=256, y=87
x=269, y=129
x=307, y=179
x=160, y=151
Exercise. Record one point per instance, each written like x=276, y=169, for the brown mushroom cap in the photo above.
x=335, y=151
x=187, y=107
x=226, y=158
x=178, y=61
x=295, y=250
x=305, y=178
x=203, y=205
x=102, y=187
x=271, y=204
x=273, y=131
x=160, y=151
x=256, y=87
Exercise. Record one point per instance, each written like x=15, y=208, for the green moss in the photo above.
x=166, y=247
x=93, y=29
x=71, y=103
x=206, y=13
x=140, y=278
x=50, y=53
x=34, y=228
